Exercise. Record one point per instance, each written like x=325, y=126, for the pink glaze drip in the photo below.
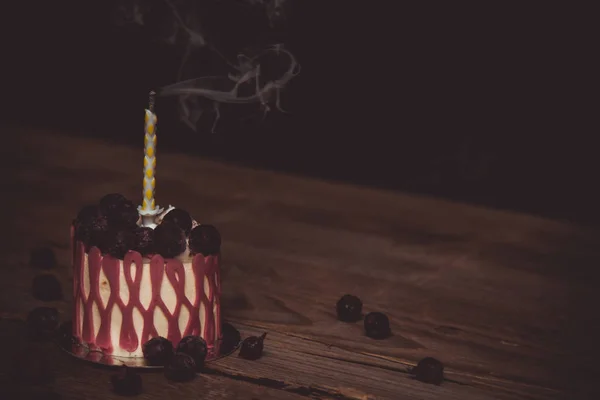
x=173, y=270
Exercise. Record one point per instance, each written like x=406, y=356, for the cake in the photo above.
x=132, y=283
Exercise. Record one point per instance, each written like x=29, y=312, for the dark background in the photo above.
x=391, y=94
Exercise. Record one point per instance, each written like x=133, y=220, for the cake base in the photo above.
x=82, y=352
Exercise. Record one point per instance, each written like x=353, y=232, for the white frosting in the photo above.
x=160, y=320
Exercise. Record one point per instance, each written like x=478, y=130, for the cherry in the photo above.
x=181, y=368
x=195, y=347
x=429, y=370
x=158, y=351
x=349, y=308
x=252, y=347
x=377, y=325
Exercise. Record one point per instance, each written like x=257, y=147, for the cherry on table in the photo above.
x=181, y=368
x=429, y=370
x=377, y=325
x=158, y=351
x=252, y=347
x=349, y=308
x=126, y=382
x=195, y=347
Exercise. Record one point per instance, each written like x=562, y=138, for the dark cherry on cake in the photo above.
x=377, y=325
x=181, y=368
x=42, y=322
x=120, y=211
x=429, y=370
x=46, y=287
x=42, y=258
x=181, y=218
x=158, y=351
x=252, y=347
x=119, y=242
x=195, y=347
x=169, y=240
x=144, y=241
x=91, y=226
x=205, y=240
x=126, y=382
x=349, y=308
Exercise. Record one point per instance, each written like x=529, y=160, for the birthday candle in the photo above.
x=148, y=204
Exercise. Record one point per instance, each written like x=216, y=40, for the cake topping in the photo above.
x=429, y=370
x=126, y=382
x=42, y=322
x=144, y=241
x=205, y=239
x=158, y=351
x=349, y=308
x=252, y=347
x=111, y=201
x=120, y=211
x=125, y=215
x=181, y=218
x=90, y=226
x=181, y=368
x=46, y=287
x=42, y=258
x=169, y=240
x=195, y=347
x=377, y=325
x=119, y=242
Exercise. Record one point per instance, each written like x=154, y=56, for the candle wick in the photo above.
x=151, y=101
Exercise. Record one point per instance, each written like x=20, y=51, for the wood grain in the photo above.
x=503, y=299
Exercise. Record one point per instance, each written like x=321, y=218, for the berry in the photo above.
x=111, y=202
x=349, y=308
x=231, y=338
x=181, y=218
x=181, y=368
x=83, y=223
x=144, y=240
x=42, y=258
x=42, y=322
x=169, y=240
x=121, y=213
x=205, y=239
x=429, y=370
x=252, y=347
x=118, y=243
x=126, y=382
x=158, y=351
x=377, y=325
x=65, y=337
x=195, y=347
x=46, y=287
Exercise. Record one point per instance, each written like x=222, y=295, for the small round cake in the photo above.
x=133, y=283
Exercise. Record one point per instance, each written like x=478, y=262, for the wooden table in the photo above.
x=504, y=300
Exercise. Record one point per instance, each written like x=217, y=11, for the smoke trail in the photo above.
x=257, y=79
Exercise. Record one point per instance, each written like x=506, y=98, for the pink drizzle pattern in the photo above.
x=171, y=269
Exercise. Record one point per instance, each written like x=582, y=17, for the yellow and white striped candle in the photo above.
x=148, y=204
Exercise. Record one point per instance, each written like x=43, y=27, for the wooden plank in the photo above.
x=500, y=297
